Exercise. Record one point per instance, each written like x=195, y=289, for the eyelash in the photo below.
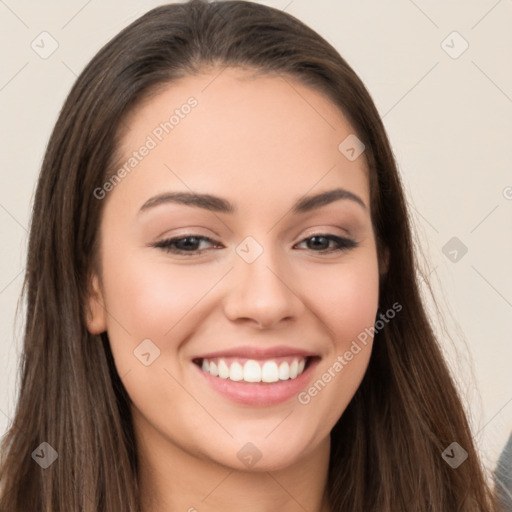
x=344, y=244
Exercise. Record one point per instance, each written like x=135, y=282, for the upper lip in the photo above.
x=250, y=352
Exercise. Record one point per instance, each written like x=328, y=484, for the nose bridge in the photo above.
x=262, y=288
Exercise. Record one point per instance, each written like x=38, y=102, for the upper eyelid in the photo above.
x=345, y=233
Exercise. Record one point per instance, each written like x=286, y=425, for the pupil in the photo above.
x=316, y=238
x=189, y=238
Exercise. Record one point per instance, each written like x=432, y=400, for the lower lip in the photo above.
x=260, y=393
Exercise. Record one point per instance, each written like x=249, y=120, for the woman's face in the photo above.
x=253, y=294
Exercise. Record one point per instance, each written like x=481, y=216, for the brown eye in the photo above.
x=183, y=245
x=321, y=241
x=189, y=245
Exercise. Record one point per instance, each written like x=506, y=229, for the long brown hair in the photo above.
x=386, y=447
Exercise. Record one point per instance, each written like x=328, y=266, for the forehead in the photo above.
x=245, y=133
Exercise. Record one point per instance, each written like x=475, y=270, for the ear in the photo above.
x=96, y=313
x=385, y=261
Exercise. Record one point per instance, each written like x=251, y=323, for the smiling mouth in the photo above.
x=263, y=371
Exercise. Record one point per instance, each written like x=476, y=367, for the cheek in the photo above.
x=345, y=298
x=151, y=296
x=346, y=301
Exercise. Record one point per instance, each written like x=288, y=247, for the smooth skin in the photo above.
x=262, y=142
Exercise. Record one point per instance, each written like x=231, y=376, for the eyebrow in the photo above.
x=221, y=205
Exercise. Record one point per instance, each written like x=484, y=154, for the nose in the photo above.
x=262, y=292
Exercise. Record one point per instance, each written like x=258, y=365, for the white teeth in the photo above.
x=254, y=371
x=236, y=372
x=269, y=372
x=284, y=371
x=213, y=369
x=223, y=369
x=293, y=369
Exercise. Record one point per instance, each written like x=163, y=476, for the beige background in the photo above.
x=450, y=124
